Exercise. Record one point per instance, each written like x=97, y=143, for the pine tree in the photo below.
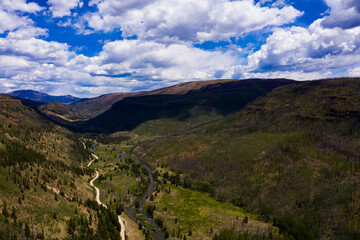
x=13, y=214
x=27, y=230
x=5, y=211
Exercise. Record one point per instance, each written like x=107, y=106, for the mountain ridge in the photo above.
x=42, y=97
x=169, y=109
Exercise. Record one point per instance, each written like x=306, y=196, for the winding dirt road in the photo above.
x=122, y=233
x=97, y=190
x=95, y=158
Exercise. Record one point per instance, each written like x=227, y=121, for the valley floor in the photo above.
x=180, y=212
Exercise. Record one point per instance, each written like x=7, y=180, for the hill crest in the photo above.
x=42, y=97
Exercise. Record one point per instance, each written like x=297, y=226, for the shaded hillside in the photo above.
x=167, y=110
x=42, y=97
x=43, y=188
x=95, y=106
x=291, y=156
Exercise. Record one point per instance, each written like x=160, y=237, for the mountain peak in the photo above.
x=42, y=97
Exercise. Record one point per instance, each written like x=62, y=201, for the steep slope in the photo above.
x=42, y=97
x=56, y=110
x=171, y=109
x=291, y=156
x=186, y=87
x=95, y=106
x=43, y=188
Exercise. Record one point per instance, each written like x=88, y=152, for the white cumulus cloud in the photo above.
x=185, y=20
x=343, y=13
x=19, y=5
x=308, y=49
x=152, y=60
x=61, y=8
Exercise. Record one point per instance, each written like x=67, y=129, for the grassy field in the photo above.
x=117, y=180
x=184, y=210
x=132, y=229
x=195, y=211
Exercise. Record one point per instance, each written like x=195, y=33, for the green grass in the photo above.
x=123, y=180
x=200, y=213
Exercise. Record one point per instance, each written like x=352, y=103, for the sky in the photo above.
x=86, y=48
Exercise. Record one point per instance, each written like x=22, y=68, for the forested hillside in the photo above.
x=44, y=191
x=291, y=156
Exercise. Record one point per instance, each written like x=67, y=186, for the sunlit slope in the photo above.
x=59, y=111
x=41, y=179
x=291, y=156
x=93, y=107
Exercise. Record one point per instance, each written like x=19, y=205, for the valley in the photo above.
x=162, y=207
x=249, y=159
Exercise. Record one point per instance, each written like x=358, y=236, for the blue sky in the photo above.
x=91, y=47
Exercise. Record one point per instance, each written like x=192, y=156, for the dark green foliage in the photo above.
x=16, y=153
x=119, y=209
x=13, y=214
x=92, y=204
x=27, y=230
x=150, y=211
x=5, y=211
x=230, y=234
x=108, y=226
x=300, y=228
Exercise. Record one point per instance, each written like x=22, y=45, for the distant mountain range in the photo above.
x=42, y=97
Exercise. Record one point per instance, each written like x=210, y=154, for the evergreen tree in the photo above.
x=13, y=214
x=27, y=230
x=5, y=211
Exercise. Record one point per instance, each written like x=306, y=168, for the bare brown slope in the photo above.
x=184, y=88
x=59, y=110
x=95, y=106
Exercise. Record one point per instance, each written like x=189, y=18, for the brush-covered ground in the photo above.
x=58, y=110
x=44, y=193
x=292, y=157
x=182, y=212
x=120, y=177
x=194, y=214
